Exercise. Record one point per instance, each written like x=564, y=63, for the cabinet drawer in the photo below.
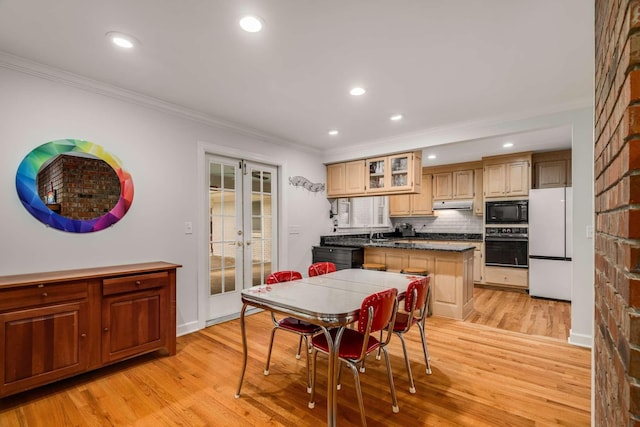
x=34, y=295
x=518, y=277
x=134, y=283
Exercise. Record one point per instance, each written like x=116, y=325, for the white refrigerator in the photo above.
x=550, y=243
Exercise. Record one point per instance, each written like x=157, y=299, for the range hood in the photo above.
x=453, y=204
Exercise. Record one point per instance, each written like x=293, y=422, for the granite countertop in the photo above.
x=397, y=243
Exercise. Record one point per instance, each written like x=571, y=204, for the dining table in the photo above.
x=330, y=300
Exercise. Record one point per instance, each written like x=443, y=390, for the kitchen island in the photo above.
x=450, y=266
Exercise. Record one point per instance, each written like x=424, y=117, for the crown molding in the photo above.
x=67, y=78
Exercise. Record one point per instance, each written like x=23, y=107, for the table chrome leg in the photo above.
x=244, y=348
x=332, y=376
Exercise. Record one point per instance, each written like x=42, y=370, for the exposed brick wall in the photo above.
x=617, y=206
x=85, y=188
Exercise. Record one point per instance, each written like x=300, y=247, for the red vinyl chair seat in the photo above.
x=350, y=345
x=299, y=326
x=402, y=322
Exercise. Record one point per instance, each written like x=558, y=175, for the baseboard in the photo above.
x=580, y=340
x=187, y=328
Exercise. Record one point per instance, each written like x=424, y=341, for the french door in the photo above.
x=243, y=235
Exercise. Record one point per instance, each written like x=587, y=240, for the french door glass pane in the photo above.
x=222, y=217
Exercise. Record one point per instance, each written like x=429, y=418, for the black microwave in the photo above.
x=507, y=212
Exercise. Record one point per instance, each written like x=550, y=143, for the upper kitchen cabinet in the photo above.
x=420, y=204
x=346, y=179
x=507, y=176
x=398, y=173
x=453, y=185
x=552, y=169
x=478, y=192
x=385, y=175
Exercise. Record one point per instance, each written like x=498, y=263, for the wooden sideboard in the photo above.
x=58, y=324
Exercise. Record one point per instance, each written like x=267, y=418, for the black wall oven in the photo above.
x=507, y=212
x=506, y=247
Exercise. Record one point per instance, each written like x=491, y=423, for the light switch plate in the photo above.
x=188, y=227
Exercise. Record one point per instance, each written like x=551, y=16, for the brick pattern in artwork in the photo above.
x=617, y=210
x=85, y=188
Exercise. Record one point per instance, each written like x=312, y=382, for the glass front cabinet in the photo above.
x=394, y=173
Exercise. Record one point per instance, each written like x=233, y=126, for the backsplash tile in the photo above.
x=445, y=221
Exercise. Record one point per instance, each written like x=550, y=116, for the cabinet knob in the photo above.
x=83, y=335
x=106, y=329
x=137, y=282
x=44, y=294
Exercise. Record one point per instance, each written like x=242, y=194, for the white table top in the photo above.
x=333, y=299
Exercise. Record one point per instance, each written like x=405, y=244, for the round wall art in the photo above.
x=74, y=185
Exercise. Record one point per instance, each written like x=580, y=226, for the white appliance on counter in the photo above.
x=550, y=243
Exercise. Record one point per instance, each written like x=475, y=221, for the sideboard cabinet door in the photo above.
x=41, y=345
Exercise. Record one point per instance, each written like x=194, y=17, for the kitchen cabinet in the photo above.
x=392, y=174
x=507, y=277
x=420, y=204
x=478, y=192
x=453, y=185
x=58, y=324
x=343, y=257
x=478, y=262
x=552, y=169
x=507, y=176
x=398, y=173
x=451, y=275
x=346, y=178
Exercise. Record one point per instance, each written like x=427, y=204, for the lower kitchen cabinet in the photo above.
x=507, y=277
x=59, y=324
x=343, y=257
x=451, y=275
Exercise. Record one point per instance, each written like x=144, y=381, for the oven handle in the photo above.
x=506, y=239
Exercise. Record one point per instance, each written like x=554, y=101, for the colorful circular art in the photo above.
x=28, y=192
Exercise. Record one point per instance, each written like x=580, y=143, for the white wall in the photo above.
x=160, y=151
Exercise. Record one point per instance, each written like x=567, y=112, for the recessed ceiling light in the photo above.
x=507, y=144
x=357, y=91
x=396, y=117
x=431, y=156
x=333, y=132
x=122, y=40
x=251, y=24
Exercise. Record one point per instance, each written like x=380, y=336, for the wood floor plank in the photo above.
x=482, y=376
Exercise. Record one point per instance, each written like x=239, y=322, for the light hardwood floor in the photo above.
x=518, y=312
x=482, y=376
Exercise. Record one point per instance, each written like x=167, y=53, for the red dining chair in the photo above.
x=320, y=268
x=291, y=324
x=377, y=313
x=416, y=302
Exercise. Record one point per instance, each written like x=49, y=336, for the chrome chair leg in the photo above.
x=356, y=378
x=266, y=367
x=427, y=358
x=394, y=400
x=299, y=347
x=312, y=402
x=412, y=387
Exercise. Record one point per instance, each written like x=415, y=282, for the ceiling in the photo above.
x=437, y=62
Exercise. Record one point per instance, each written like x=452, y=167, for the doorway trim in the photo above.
x=202, y=236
